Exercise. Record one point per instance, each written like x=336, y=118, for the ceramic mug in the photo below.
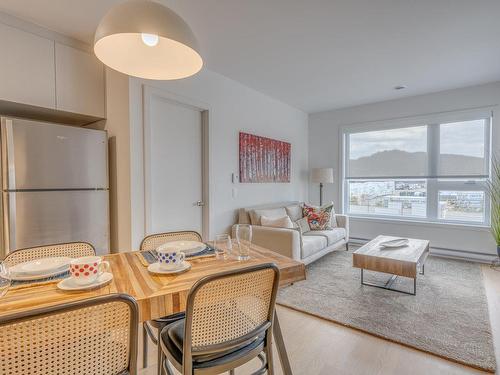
x=87, y=269
x=169, y=257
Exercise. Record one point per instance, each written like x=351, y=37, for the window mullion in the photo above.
x=345, y=173
x=433, y=141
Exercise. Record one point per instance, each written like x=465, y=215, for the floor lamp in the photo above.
x=322, y=176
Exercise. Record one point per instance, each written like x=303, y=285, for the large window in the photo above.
x=429, y=171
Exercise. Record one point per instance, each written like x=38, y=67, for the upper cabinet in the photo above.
x=79, y=81
x=27, y=73
x=43, y=71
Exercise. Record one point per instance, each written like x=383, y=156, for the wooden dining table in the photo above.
x=157, y=295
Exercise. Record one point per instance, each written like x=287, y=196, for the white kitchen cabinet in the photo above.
x=27, y=73
x=79, y=82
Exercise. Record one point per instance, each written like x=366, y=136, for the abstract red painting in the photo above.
x=264, y=159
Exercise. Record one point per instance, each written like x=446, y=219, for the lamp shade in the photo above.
x=147, y=40
x=322, y=175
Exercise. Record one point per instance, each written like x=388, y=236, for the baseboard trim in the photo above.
x=445, y=253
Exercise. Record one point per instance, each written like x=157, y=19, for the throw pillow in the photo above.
x=333, y=220
x=303, y=225
x=319, y=218
x=281, y=222
x=294, y=212
x=274, y=213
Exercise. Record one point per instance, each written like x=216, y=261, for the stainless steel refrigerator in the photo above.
x=54, y=185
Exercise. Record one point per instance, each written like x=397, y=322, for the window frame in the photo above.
x=434, y=185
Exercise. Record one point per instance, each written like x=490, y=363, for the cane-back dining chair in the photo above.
x=96, y=336
x=70, y=249
x=152, y=242
x=229, y=321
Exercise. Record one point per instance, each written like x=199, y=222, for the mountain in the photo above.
x=402, y=163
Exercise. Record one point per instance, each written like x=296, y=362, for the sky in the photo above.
x=461, y=138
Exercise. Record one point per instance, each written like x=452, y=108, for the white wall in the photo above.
x=324, y=145
x=233, y=108
x=117, y=126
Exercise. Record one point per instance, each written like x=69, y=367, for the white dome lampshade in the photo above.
x=147, y=40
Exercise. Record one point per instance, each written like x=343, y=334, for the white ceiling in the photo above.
x=321, y=54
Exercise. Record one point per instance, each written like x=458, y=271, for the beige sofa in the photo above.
x=306, y=247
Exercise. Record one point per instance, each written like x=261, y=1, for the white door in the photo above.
x=175, y=167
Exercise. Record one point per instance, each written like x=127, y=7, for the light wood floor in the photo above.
x=320, y=347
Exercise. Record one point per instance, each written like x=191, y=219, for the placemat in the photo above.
x=19, y=284
x=148, y=257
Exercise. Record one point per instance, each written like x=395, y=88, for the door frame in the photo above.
x=148, y=93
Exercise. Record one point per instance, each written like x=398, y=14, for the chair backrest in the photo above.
x=230, y=308
x=70, y=249
x=153, y=241
x=96, y=336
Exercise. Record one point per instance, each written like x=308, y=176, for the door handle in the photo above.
x=200, y=203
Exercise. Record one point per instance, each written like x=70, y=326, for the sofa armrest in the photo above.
x=343, y=222
x=283, y=241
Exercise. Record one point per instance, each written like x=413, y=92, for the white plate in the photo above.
x=399, y=242
x=69, y=283
x=28, y=277
x=41, y=266
x=186, y=247
x=155, y=268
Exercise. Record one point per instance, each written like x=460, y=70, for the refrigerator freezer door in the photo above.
x=46, y=217
x=37, y=155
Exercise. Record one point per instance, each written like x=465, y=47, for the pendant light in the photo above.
x=145, y=39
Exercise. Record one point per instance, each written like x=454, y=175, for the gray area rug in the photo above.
x=448, y=316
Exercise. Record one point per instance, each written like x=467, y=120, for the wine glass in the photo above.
x=244, y=239
x=4, y=279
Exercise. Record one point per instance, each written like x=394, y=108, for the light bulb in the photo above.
x=150, y=40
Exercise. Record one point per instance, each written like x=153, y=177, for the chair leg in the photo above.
x=161, y=368
x=269, y=354
x=280, y=346
x=231, y=372
x=144, y=347
x=347, y=246
x=165, y=368
x=169, y=369
x=160, y=356
x=187, y=365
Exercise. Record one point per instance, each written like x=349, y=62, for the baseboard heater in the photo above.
x=444, y=252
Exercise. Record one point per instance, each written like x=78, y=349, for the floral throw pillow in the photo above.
x=319, y=218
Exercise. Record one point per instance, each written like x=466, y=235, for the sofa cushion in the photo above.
x=244, y=213
x=272, y=213
x=332, y=235
x=312, y=244
x=303, y=225
x=244, y=216
x=295, y=212
x=281, y=222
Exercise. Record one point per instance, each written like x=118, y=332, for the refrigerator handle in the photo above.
x=8, y=166
x=9, y=222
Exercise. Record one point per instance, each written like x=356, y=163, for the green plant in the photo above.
x=494, y=193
